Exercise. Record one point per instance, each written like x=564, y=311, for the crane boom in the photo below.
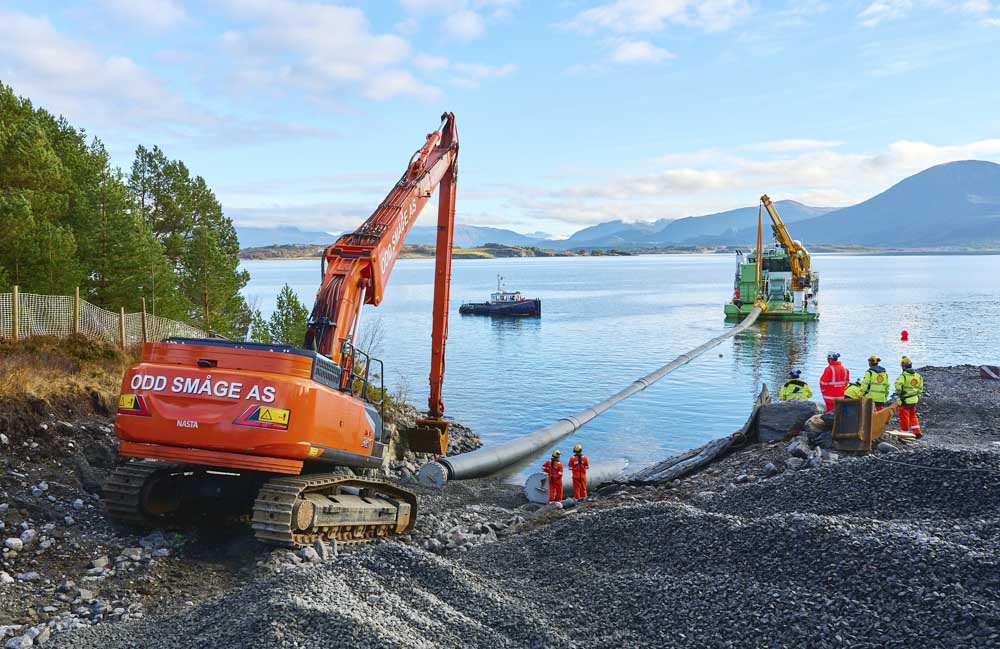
x=797, y=253
x=358, y=265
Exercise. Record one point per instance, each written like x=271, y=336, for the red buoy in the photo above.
x=904, y=336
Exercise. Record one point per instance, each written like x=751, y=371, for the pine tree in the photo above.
x=259, y=331
x=212, y=279
x=289, y=320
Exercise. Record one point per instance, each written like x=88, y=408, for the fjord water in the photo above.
x=609, y=320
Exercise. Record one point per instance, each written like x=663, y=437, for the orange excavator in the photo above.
x=293, y=435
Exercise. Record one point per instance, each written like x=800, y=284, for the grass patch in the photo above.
x=56, y=370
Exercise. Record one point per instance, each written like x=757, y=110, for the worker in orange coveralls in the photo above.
x=834, y=380
x=578, y=464
x=553, y=468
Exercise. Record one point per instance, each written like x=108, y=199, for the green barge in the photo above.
x=779, y=280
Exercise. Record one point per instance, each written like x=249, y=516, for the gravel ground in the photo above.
x=764, y=548
x=959, y=408
x=902, y=557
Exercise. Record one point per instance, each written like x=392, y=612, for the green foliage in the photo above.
x=289, y=320
x=259, y=331
x=70, y=219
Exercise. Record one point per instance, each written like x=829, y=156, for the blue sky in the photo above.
x=569, y=113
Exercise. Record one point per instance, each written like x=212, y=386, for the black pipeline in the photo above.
x=489, y=460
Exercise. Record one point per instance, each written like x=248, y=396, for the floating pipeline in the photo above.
x=489, y=460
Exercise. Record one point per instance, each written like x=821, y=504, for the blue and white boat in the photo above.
x=504, y=303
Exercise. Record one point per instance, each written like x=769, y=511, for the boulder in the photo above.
x=770, y=470
x=800, y=448
x=783, y=419
x=817, y=424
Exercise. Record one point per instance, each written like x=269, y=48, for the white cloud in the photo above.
x=796, y=145
x=465, y=25
x=480, y=71
x=639, y=52
x=975, y=6
x=712, y=180
x=991, y=22
x=429, y=63
x=320, y=48
x=394, y=83
x=153, y=14
x=73, y=78
x=626, y=16
x=463, y=19
x=883, y=10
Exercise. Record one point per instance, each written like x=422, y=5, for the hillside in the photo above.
x=952, y=205
x=710, y=228
x=411, y=251
x=466, y=236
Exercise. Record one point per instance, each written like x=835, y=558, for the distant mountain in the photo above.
x=952, y=204
x=709, y=228
x=611, y=229
x=251, y=237
x=471, y=236
x=466, y=236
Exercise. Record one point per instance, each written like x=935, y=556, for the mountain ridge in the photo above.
x=950, y=204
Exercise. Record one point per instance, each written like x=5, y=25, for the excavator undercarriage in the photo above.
x=292, y=511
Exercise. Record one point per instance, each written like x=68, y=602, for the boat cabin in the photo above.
x=506, y=296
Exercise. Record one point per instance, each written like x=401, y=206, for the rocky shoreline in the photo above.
x=762, y=548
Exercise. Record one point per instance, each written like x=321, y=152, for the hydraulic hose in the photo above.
x=489, y=460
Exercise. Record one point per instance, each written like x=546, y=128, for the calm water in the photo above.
x=607, y=321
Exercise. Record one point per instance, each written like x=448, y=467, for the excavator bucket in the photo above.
x=857, y=425
x=428, y=436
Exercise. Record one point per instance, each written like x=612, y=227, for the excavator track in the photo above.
x=295, y=511
x=123, y=491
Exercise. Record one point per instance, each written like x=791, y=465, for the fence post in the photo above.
x=121, y=326
x=16, y=308
x=144, y=339
x=76, y=312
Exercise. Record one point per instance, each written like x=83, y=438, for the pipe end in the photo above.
x=433, y=474
x=536, y=488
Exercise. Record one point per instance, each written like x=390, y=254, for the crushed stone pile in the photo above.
x=959, y=408
x=873, y=552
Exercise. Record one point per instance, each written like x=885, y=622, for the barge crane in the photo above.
x=216, y=427
x=780, y=282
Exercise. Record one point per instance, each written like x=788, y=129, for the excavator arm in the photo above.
x=797, y=253
x=357, y=267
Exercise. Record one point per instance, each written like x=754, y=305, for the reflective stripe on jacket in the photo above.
x=834, y=379
x=876, y=384
x=909, y=387
x=795, y=389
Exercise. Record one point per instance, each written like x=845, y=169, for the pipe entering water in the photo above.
x=489, y=460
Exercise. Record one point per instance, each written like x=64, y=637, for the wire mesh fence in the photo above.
x=62, y=316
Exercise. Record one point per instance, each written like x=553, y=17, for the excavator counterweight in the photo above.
x=216, y=425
